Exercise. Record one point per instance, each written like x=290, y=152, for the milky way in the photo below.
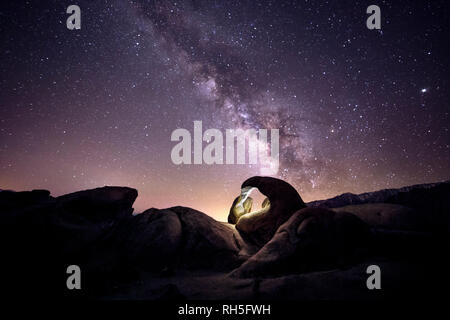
x=358, y=109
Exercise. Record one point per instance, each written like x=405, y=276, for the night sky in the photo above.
x=358, y=110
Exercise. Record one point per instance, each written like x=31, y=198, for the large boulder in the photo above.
x=259, y=226
x=12, y=201
x=207, y=243
x=52, y=233
x=71, y=222
x=98, y=204
x=167, y=240
x=312, y=239
x=83, y=218
x=149, y=241
x=388, y=216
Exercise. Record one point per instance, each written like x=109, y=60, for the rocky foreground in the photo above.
x=289, y=250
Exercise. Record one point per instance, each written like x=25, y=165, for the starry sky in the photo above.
x=358, y=110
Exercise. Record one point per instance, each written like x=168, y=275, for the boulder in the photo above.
x=207, y=243
x=149, y=241
x=53, y=233
x=12, y=201
x=312, y=239
x=387, y=216
x=98, y=204
x=83, y=218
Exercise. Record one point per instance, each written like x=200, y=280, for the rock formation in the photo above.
x=180, y=252
x=282, y=201
x=312, y=239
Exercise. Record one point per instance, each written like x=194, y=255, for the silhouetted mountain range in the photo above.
x=384, y=195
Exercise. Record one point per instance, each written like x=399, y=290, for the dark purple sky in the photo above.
x=358, y=110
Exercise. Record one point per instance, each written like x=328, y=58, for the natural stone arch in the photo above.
x=281, y=202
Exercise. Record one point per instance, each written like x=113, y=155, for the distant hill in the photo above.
x=399, y=196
